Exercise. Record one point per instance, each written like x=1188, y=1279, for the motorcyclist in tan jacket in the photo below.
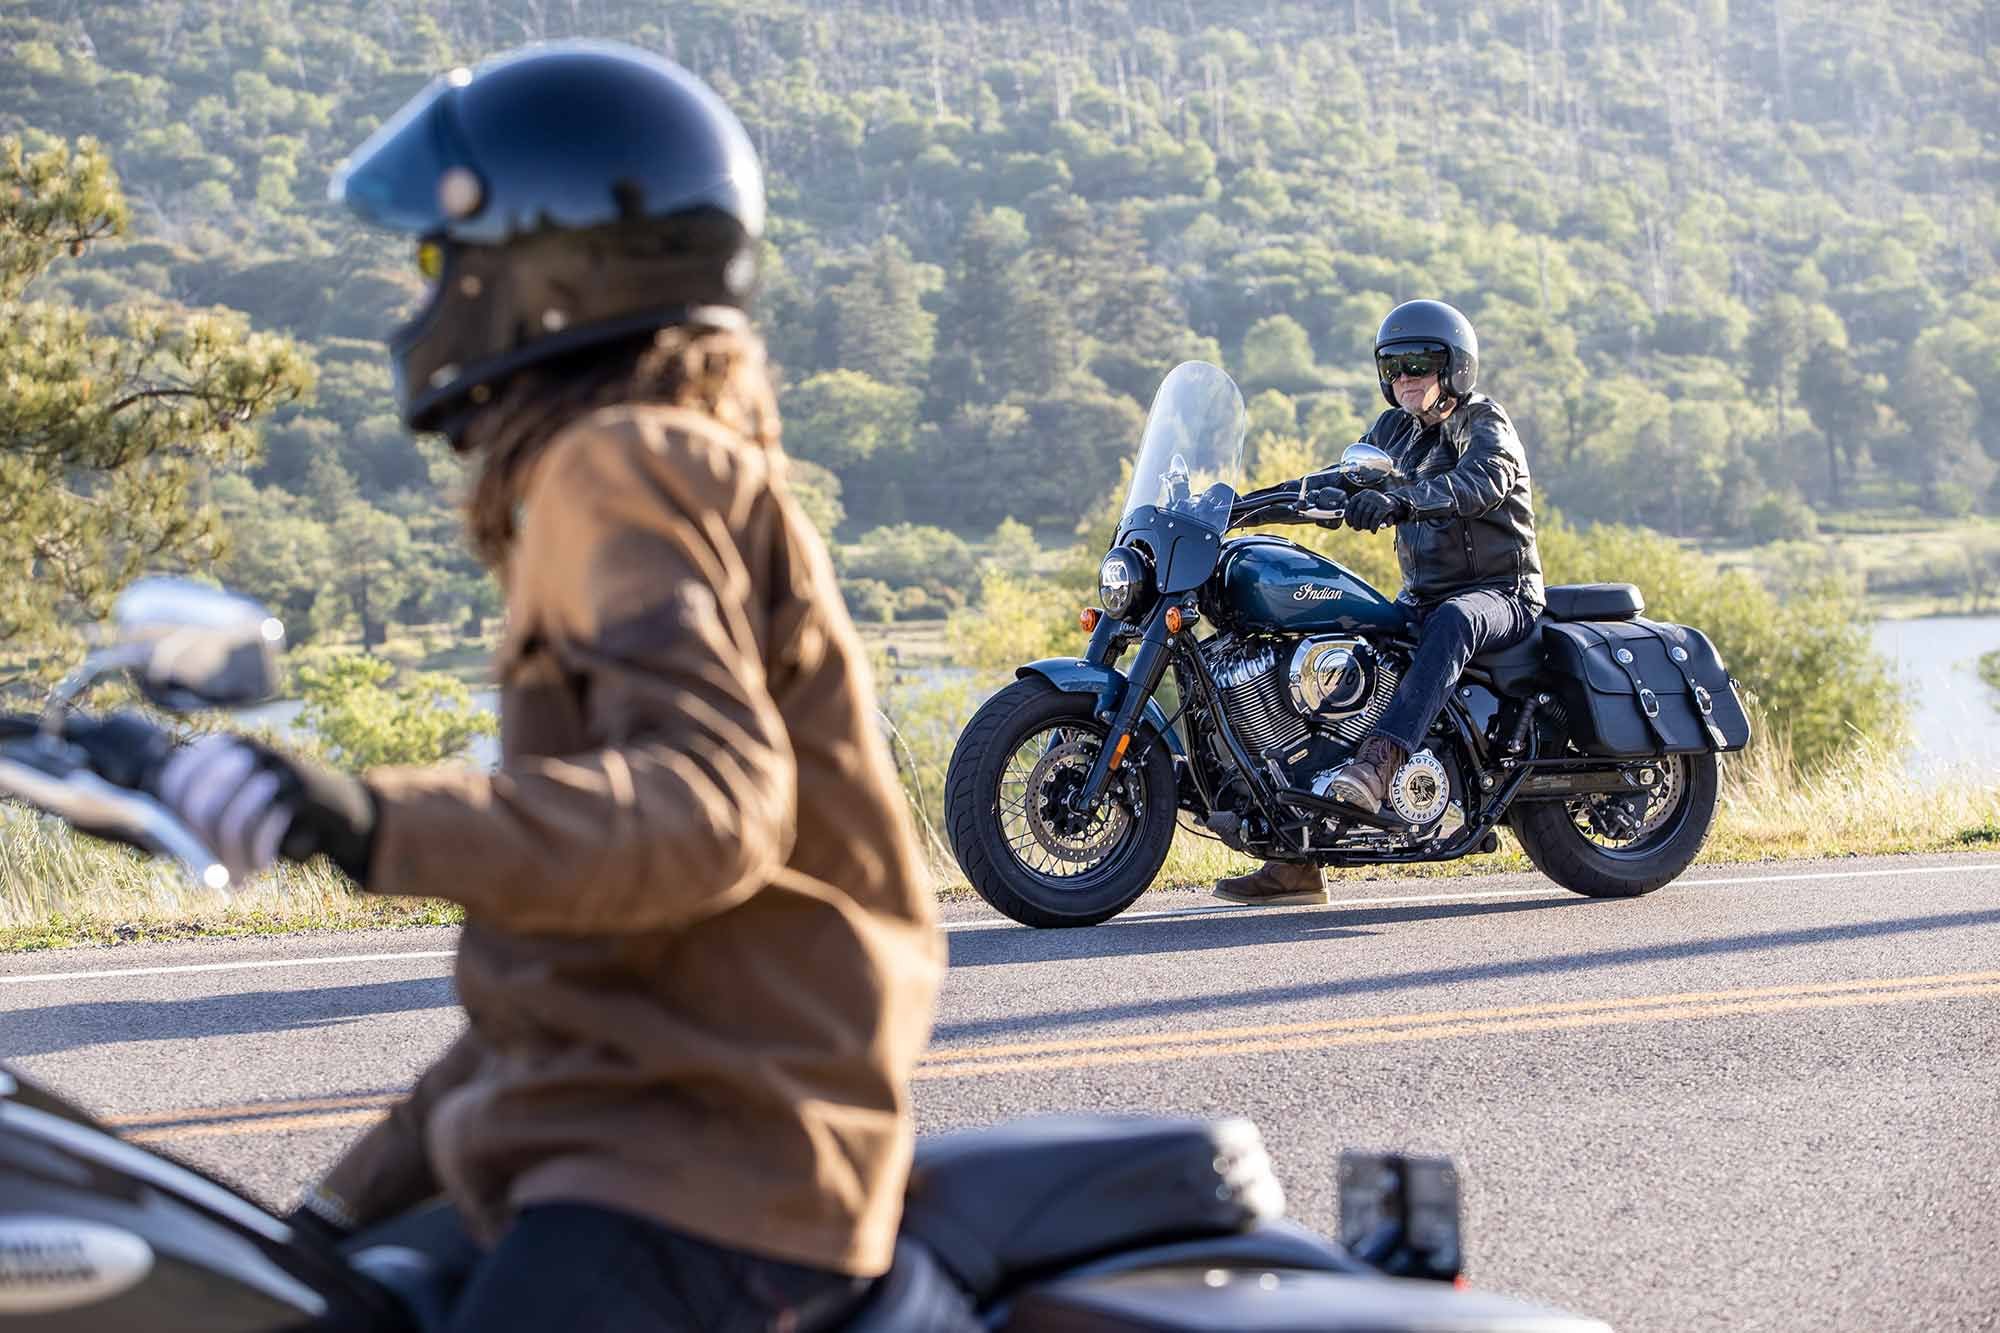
x=700, y=957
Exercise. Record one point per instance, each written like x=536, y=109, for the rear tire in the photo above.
x=1550, y=833
x=1006, y=823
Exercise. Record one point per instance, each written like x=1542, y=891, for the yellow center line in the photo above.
x=1200, y=1044
x=1436, y=1031
x=261, y=1125
x=376, y=1100
x=1183, y=1037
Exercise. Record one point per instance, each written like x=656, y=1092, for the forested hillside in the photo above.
x=1731, y=263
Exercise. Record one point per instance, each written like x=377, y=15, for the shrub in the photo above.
x=363, y=720
x=1782, y=517
x=869, y=600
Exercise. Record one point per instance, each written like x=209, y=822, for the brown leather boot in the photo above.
x=1274, y=884
x=1363, y=781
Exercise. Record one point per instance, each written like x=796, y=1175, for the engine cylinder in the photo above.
x=1253, y=697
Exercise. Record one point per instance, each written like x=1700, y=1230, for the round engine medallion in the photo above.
x=1421, y=790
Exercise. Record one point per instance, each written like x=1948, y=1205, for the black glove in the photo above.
x=1369, y=510
x=125, y=749
x=250, y=803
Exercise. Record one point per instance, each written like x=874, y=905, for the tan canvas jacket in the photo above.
x=700, y=953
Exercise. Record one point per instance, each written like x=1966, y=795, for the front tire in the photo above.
x=1025, y=853
x=1581, y=849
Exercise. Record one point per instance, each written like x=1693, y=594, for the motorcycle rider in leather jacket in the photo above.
x=1465, y=537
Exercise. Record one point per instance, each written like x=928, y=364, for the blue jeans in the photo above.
x=1450, y=634
x=584, y=1269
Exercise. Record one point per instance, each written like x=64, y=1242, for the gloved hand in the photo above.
x=1369, y=510
x=251, y=805
x=124, y=749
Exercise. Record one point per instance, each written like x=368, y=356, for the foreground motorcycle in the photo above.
x=1595, y=739
x=1069, y=1223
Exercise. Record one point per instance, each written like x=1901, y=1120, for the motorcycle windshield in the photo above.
x=1191, y=457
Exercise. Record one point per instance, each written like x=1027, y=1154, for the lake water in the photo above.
x=1955, y=721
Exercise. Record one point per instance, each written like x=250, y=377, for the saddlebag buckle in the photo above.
x=1650, y=702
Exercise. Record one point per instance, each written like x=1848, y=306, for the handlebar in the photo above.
x=57, y=777
x=1291, y=502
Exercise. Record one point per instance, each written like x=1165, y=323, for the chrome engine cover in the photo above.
x=1329, y=677
x=1342, y=684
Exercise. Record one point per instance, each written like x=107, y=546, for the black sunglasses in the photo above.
x=1417, y=365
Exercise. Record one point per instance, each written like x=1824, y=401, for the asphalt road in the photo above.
x=1763, y=1098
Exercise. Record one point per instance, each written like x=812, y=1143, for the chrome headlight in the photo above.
x=1121, y=581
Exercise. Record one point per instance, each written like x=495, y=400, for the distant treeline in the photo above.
x=1730, y=264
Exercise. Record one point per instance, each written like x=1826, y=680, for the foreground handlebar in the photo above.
x=57, y=779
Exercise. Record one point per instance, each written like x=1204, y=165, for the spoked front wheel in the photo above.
x=1013, y=824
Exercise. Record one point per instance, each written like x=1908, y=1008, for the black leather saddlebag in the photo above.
x=1632, y=688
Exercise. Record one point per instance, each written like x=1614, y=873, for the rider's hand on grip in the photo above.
x=253, y=805
x=1369, y=510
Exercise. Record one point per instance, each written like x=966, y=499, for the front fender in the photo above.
x=1074, y=675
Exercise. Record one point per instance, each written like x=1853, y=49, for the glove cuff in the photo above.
x=333, y=814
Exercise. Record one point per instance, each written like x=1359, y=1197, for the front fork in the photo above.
x=1148, y=667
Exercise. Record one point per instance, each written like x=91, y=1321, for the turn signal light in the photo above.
x=1088, y=618
x=1179, y=619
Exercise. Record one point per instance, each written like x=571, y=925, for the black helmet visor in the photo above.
x=490, y=155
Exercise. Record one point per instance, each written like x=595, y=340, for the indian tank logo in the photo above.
x=1312, y=592
x=56, y=1263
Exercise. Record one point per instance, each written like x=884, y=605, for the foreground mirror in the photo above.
x=1366, y=464
x=191, y=646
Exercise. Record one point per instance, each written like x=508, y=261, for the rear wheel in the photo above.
x=1623, y=845
x=1009, y=819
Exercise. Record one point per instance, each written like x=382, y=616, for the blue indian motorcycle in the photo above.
x=1595, y=739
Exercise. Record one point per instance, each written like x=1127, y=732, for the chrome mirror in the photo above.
x=1365, y=465
x=190, y=646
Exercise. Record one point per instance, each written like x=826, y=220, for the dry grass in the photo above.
x=57, y=888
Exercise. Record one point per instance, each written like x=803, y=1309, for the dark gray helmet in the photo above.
x=563, y=196
x=1419, y=325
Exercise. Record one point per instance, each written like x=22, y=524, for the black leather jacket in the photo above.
x=1473, y=520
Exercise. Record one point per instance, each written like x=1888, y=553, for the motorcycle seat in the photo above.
x=1594, y=601
x=1513, y=670
x=1045, y=1191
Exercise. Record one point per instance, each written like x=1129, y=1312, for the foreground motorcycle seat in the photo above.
x=1047, y=1191
x=1594, y=601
